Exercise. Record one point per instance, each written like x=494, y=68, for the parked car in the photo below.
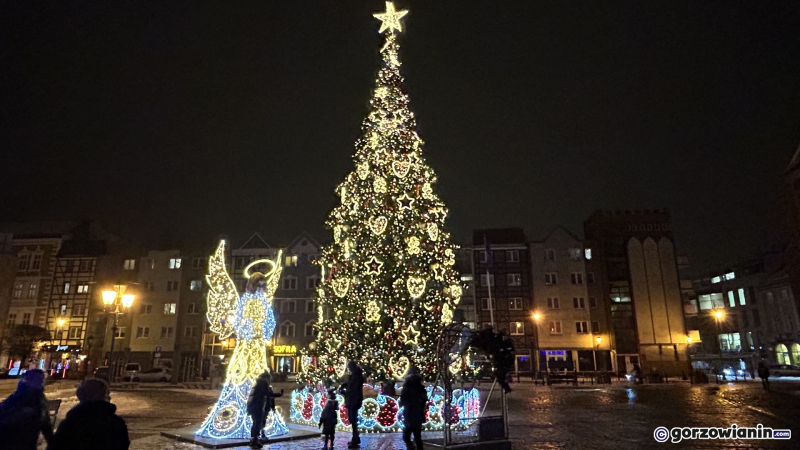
x=131, y=370
x=102, y=372
x=161, y=374
x=784, y=370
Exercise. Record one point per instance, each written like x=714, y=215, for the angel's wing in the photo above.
x=222, y=296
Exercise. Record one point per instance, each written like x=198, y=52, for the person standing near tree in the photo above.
x=414, y=400
x=23, y=415
x=763, y=373
x=353, y=398
x=260, y=404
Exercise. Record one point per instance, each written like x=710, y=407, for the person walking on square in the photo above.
x=329, y=417
x=92, y=424
x=763, y=373
x=354, y=397
x=260, y=404
x=23, y=415
x=414, y=400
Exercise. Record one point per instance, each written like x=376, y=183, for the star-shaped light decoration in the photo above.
x=410, y=335
x=405, y=201
x=374, y=266
x=390, y=20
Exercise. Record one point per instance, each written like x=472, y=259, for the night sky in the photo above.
x=204, y=118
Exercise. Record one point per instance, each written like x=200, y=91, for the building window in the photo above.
x=120, y=333
x=129, y=264
x=142, y=332
x=12, y=319
x=731, y=299
x=309, y=306
x=290, y=283
x=291, y=260
x=32, y=290
x=23, y=262
x=193, y=309
x=620, y=294
x=552, y=302
x=288, y=306
x=309, y=329
x=485, y=304
x=151, y=263
x=550, y=254
x=198, y=263
x=595, y=327
x=74, y=332
x=730, y=276
x=26, y=319
x=551, y=278
x=745, y=319
x=756, y=318
x=170, y=308
x=78, y=310
x=482, y=256
x=716, y=280
x=36, y=263
x=487, y=279
x=592, y=302
x=742, y=300
x=711, y=301
x=730, y=342
x=145, y=309
x=190, y=332
x=175, y=263
x=64, y=310
x=83, y=289
x=287, y=329
x=18, y=290
x=589, y=277
x=85, y=266
x=195, y=285
x=517, y=328
x=581, y=327
x=555, y=327
x=587, y=253
x=576, y=278
x=514, y=279
x=575, y=254
x=312, y=282
x=578, y=303
x=512, y=255
x=515, y=304
x=66, y=288
x=167, y=332
x=172, y=285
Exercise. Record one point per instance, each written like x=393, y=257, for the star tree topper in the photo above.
x=390, y=20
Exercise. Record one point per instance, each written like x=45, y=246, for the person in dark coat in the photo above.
x=329, y=418
x=414, y=400
x=23, y=415
x=259, y=405
x=93, y=423
x=354, y=397
x=763, y=373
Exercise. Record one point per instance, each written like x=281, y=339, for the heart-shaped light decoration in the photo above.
x=399, y=366
x=455, y=292
x=378, y=224
x=415, y=286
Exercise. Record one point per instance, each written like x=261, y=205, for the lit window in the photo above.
x=195, y=285
x=83, y=288
x=730, y=342
x=175, y=263
x=291, y=260
x=587, y=253
x=581, y=327
x=731, y=299
x=551, y=278
x=555, y=327
x=120, y=333
x=487, y=279
x=515, y=304
x=711, y=301
x=552, y=302
x=620, y=294
x=742, y=301
x=512, y=256
x=170, y=308
x=517, y=328
x=514, y=279
x=716, y=280
x=130, y=264
x=730, y=276
x=66, y=288
x=575, y=254
x=466, y=277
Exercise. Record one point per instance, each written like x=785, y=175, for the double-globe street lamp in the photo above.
x=116, y=302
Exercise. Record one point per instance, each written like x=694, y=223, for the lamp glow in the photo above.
x=537, y=317
x=127, y=300
x=109, y=297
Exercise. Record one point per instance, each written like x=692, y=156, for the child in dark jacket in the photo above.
x=329, y=418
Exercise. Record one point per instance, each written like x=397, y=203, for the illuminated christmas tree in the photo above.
x=389, y=285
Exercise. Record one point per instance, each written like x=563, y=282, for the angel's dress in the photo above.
x=255, y=323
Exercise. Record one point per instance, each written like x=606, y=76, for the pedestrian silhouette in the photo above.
x=23, y=415
x=259, y=406
x=763, y=373
x=329, y=418
x=414, y=400
x=353, y=398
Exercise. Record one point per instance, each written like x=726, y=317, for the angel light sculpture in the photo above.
x=251, y=319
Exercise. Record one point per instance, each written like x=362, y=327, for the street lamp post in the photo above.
x=536, y=318
x=719, y=316
x=120, y=301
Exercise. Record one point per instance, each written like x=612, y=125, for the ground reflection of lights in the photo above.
x=631, y=396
